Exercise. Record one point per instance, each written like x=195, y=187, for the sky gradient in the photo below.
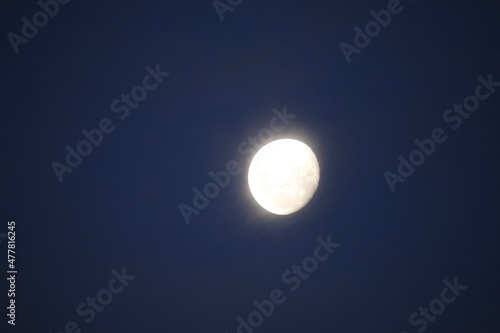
x=170, y=93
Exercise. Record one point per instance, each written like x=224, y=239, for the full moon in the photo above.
x=283, y=176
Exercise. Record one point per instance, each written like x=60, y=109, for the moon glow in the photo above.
x=283, y=176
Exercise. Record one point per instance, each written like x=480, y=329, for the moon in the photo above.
x=283, y=176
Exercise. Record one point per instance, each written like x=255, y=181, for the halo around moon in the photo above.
x=283, y=176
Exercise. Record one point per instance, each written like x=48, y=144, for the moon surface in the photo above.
x=283, y=176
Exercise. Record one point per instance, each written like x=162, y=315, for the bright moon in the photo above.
x=283, y=176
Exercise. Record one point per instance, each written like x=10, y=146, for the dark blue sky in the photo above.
x=118, y=210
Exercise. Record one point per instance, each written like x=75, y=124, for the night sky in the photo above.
x=114, y=114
